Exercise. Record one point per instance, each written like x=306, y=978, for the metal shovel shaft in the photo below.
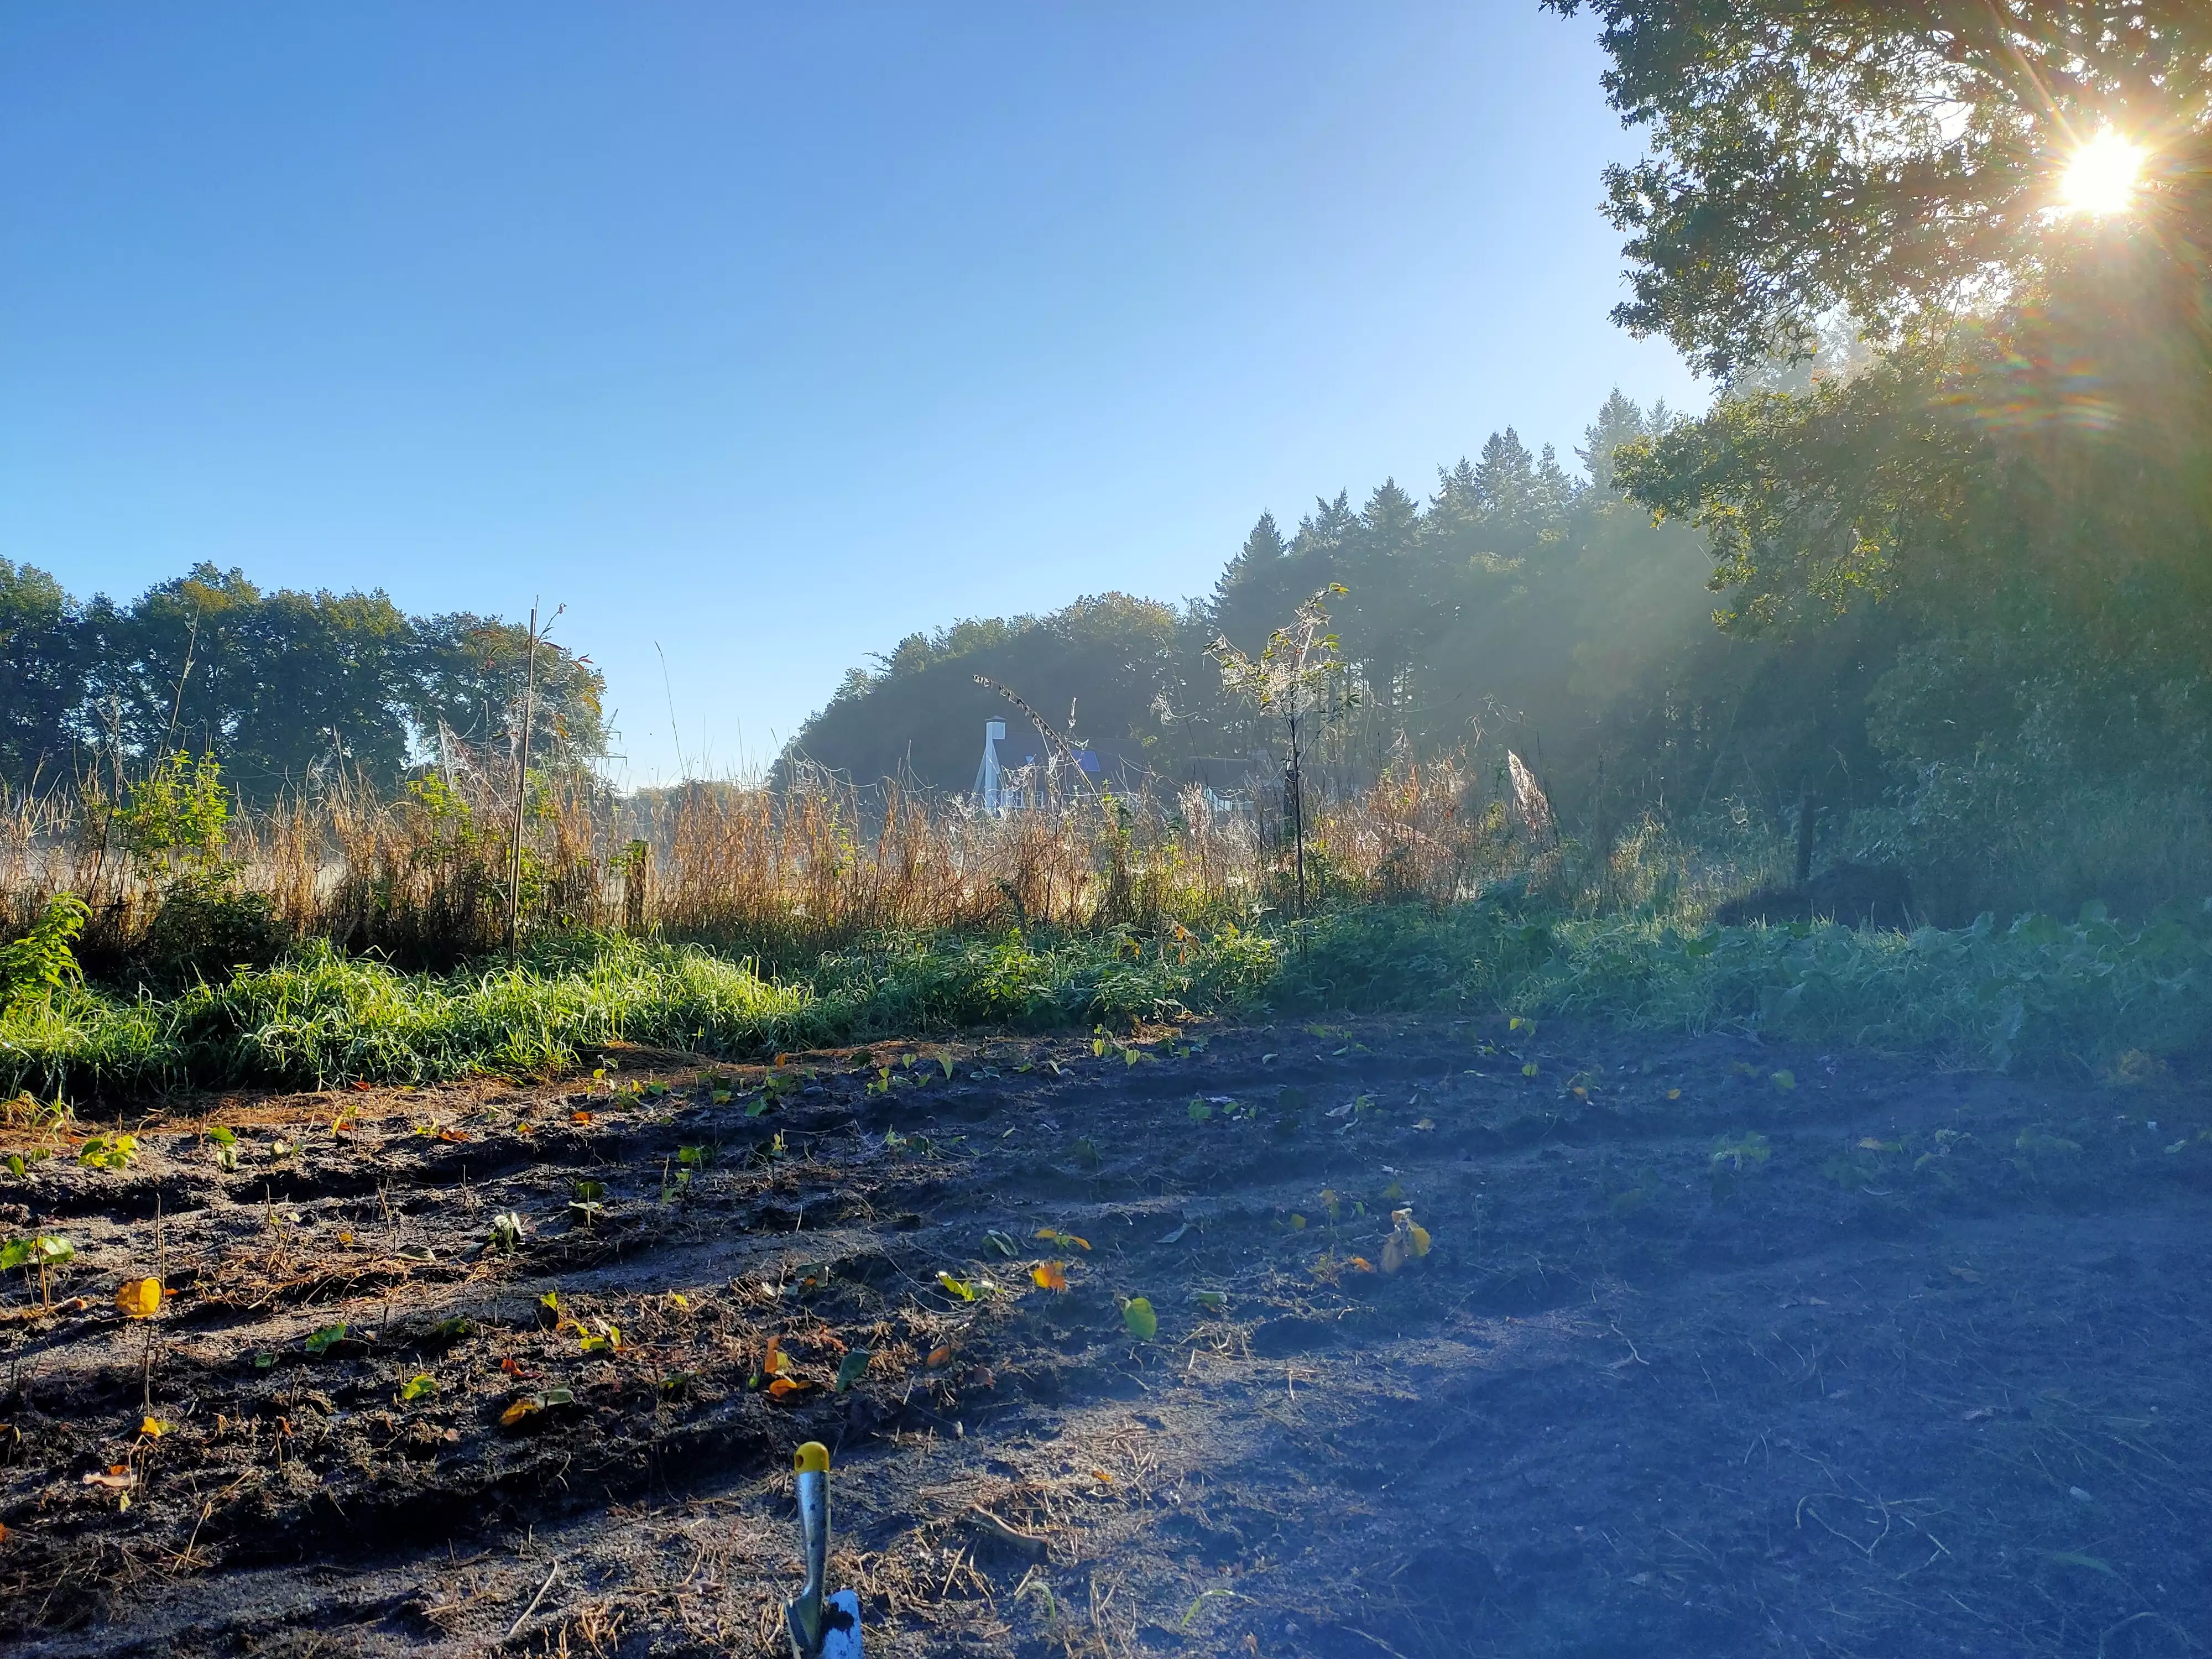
x=822, y=1625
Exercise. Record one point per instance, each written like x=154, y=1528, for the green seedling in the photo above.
x=226, y=1148
x=453, y=1329
x=1201, y=1112
x=1137, y=1313
x=946, y=1060
x=1732, y=1159
x=506, y=1232
x=588, y=1190
x=1002, y=1242
x=108, y=1152
x=850, y=1369
x=1747, y=1151
x=421, y=1387
x=968, y=1289
x=1212, y=1301
x=322, y=1342
x=602, y=1339
x=45, y=1252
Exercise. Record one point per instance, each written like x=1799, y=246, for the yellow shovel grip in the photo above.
x=813, y=1458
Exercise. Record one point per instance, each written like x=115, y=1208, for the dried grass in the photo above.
x=813, y=865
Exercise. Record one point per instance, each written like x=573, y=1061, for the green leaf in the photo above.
x=327, y=1338
x=1784, y=1081
x=1137, y=1313
x=850, y=1368
x=221, y=1137
x=419, y=1388
x=1200, y=1112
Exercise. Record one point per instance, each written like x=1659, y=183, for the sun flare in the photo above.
x=2102, y=176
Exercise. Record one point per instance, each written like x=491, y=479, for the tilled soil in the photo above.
x=1714, y=1349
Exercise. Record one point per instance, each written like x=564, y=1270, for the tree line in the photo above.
x=283, y=686
x=1523, y=602
x=1934, y=567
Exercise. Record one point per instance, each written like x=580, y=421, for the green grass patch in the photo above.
x=2037, y=994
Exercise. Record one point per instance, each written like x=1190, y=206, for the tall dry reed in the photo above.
x=817, y=862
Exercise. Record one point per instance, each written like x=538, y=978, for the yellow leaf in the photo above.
x=141, y=1298
x=515, y=1414
x=1393, y=1255
x=1050, y=1276
x=788, y=1385
x=1674, y=1094
x=154, y=1427
x=939, y=1356
x=1420, y=1236
x=1298, y=1222
x=1360, y=1264
x=777, y=1361
x=679, y=1298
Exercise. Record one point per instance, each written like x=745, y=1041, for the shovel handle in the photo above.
x=812, y=1479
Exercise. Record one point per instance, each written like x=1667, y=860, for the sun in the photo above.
x=2102, y=176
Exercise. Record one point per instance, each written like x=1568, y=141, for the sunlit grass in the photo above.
x=2036, y=994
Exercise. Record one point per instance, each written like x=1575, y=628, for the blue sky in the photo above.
x=767, y=334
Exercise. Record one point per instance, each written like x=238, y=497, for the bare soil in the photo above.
x=1715, y=1350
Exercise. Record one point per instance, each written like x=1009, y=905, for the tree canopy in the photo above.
x=279, y=686
x=1896, y=160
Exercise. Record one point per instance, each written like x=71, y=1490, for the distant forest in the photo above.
x=281, y=687
x=1521, y=603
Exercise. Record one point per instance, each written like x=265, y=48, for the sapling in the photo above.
x=1297, y=679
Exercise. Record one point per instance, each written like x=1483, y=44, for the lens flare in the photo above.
x=2102, y=176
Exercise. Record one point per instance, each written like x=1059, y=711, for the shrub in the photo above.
x=207, y=927
x=42, y=961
